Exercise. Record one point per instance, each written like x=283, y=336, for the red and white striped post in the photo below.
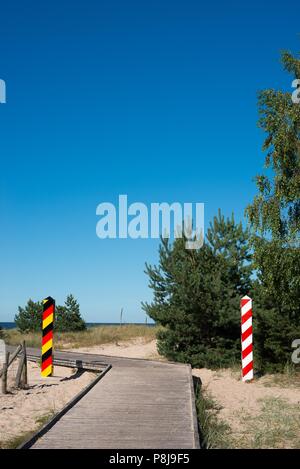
x=247, y=341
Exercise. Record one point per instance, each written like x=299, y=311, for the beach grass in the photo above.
x=214, y=432
x=93, y=336
x=290, y=378
x=17, y=440
x=277, y=426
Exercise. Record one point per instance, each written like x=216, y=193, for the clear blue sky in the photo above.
x=156, y=100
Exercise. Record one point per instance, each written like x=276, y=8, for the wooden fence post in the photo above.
x=24, y=379
x=20, y=369
x=12, y=357
x=4, y=374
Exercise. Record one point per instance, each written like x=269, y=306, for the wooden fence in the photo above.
x=21, y=380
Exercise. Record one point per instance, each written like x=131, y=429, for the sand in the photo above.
x=135, y=348
x=238, y=399
x=21, y=409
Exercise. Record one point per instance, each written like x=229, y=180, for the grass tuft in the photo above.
x=214, y=432
x=289, y=379
x=276, y=426
x=16, y=441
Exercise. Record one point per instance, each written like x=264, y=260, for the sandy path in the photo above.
x=20, y=409
x=134, y=348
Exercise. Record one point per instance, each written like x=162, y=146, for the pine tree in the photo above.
x=274, y=218
x=30, y=317
x=68, y=317
x=60, y=322
x=197, y=294
x=230, y=242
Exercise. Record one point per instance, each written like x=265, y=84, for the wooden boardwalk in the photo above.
x=137, y=404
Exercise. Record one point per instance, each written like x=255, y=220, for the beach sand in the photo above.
x=255, y=408
x=21, y=410
x=134, y=348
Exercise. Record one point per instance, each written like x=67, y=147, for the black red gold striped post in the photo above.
x=47, y=341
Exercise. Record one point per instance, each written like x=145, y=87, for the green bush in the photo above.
x=67, y=317
x=29, y=318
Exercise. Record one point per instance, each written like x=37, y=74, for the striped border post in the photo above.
x=47, y=341
x=247, y=341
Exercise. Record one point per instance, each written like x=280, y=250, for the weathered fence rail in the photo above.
x=71, y=363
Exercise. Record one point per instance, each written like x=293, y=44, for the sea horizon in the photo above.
x=12, y=324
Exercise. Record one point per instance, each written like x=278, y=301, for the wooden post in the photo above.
x=20, y=369
x=12, y=357
x=24, y=380
x=4, y=374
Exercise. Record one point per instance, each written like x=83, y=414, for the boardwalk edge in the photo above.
x=194, y=410
x=30, y=441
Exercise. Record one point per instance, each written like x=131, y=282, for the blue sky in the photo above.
x=156, y=100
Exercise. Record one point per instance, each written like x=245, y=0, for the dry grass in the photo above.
x=89, y=338
x=16, y=441
x=214, y=431
x=277, y=426
x=270, y=421
x=13, y=443
x=289, y=379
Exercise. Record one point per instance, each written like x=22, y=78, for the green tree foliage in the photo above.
x=197, y=295
x=30, y=317
x=230, y=243
x=60, y=324
x=274, y=218
x=67, y=317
